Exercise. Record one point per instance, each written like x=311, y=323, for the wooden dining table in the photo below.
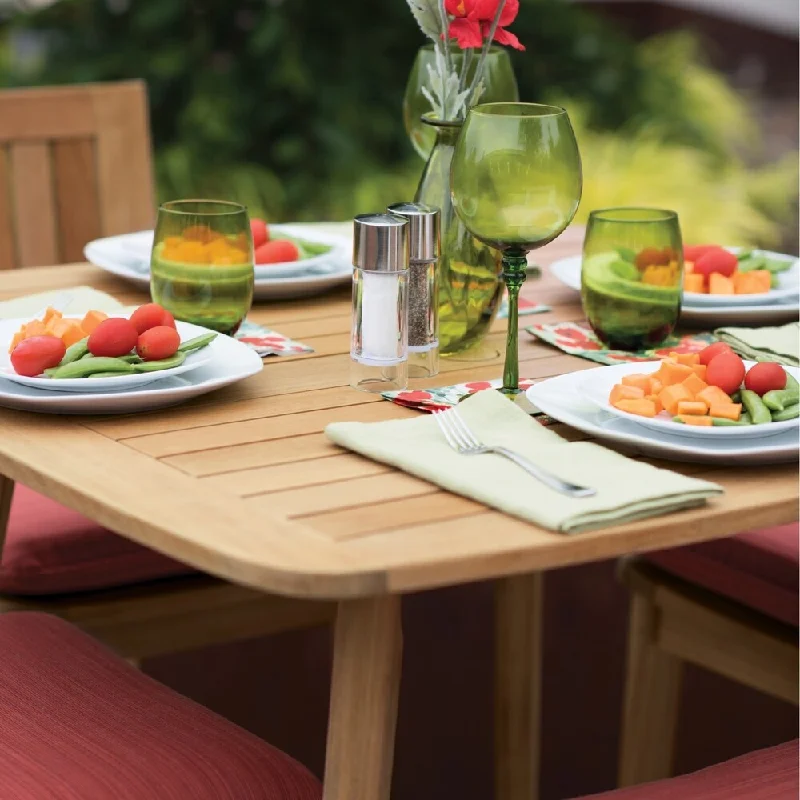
x=244, y=484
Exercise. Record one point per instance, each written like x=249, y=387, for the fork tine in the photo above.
x=466, y=433
x=451, y=417
x=444, y=428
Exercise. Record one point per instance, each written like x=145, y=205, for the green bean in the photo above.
x=792, y=412
x=777, y=265
x=743, y=255
x=722, y=422
x=759, y=413
x=752, y=263
x=197, y=343
x=131, y=358
x=75, y=352
x=626, y=254
x=791, y=383
x=736, y=397
x=778, y=399
x=87, y=367
x=164, y=363
x=107, y=374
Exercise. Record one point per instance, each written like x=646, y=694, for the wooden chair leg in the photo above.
x=652, y=693
x=517, y=692
x=367, y=662
x=6, y=495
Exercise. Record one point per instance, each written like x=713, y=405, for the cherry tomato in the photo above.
x=765, y=377
x=260, y=232
x=713, y=350
x=716, y=260
x=31, y=357
x=277, y=251
x=694, y=251
x=149, y=316
x=726, y=371
x=157, y=343
x=113, y=337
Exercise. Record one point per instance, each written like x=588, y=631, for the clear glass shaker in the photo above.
x=379, y=335
x=423, y=287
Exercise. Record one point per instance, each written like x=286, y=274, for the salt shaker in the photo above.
x=379, y=337
x=423, y=287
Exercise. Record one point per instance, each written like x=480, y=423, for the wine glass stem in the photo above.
x=514, y=273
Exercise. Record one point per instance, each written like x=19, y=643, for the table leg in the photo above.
x=365, y=685
x=517, y=691
x=6, y=493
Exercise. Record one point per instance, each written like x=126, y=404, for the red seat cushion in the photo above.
x=764, y=775
x=78, y=723
x=758, y=569
x=51, y=549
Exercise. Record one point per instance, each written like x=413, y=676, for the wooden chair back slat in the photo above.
x=8, y=258
x=78, y=166
x=34, y=203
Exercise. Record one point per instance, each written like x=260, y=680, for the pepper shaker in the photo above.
x=423, y=287
x=379, y=335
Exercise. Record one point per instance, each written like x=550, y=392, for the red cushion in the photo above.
x=764, y=775
x=758, y=569
x=51, y=549
x=78, y=723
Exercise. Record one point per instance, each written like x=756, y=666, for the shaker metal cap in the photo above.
x=423, y=229
x=380, y=242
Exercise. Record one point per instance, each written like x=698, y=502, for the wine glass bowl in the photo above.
x=201, y=267
x=632, y=276
x=516, y=184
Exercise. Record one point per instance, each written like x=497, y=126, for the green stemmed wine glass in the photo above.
x=516, y=184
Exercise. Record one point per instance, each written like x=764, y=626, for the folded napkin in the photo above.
x=77, y=301
x=781, y=344
x=579, y=340
x=627, y=489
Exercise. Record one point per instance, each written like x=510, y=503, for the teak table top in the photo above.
x=242, y=483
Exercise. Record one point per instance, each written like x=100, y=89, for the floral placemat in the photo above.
x=578, y=340
x=525, y=307
x=267, y=342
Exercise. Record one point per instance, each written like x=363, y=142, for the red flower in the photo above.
x=473, y=21
x=476, y=386
x=413, y=397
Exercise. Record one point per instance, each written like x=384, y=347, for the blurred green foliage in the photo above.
x=294, y=106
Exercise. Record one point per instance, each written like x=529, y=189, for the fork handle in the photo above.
x=547, y=478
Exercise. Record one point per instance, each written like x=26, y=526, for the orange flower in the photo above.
x=472, y=21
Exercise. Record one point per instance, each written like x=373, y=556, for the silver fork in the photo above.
x=464, y=441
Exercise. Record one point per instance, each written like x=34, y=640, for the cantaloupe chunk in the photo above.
x=694, y=407
x=719, y=284
x=727, y=411
x=92, y=320
x=58, y=327
x=622, y=392
x=690, y=419
x=689, y=359
x=15, y=341
x=51, y=313
x=714, y=396
x=637, y=379
x=672, y=372
x=34, y=328
x=642, y=408
x=756, y=282
x=694, y=283
x=688, y=267
x=694, y=384
x=655, y=385
x=72, y=333
x=653, y=398
x=700, y=371
x=670, y=396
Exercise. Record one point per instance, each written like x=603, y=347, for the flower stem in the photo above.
x=447, y=59
x=485, y=51
x=465, y=65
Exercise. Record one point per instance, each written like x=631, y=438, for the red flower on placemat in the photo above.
x=476, y=386
x=413, y=397
x=573, y=336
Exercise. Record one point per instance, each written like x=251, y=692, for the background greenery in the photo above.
x=294, y=106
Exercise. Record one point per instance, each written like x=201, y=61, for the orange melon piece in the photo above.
x=696, y=408
x=34, y=328
x=51, y=313
x=694, y=384
x=653, y=398
x=700, y=371
x=719, y=284
x=58, y=327
x=670, y=396
x=688, y=267
x=694, y=283
x=637, y=379
x=655, y=385
x=714, y=396
x=727, y=411
x=72, y=333
x=622, y=392
x=690, y=419
x=15, y=341
x=689, y=359
x=756, y=282
x=672, y=372
x=91, y=321
x=642, y=408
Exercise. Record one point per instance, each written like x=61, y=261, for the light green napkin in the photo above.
x=781, y=344
x=72, y=302
x=627, y=489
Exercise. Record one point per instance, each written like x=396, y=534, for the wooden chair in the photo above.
x=728, y=606
x=75, y=164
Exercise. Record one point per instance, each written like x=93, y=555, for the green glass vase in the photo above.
x=499, y=83
x=470, y=285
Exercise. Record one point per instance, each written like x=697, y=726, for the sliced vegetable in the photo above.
x=670, y=396
x=642, y=408
x=759, y=413
x=90, y=366
x=731, y=411
x=792, y=412
x=166, y=363
x=687, y=419
x=694, y=407
x=622, y=392
x=75, y=351
x=197, y=343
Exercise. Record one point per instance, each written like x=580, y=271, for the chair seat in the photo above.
x=769, y=774
x=50, y=549
x=78, y=723
x=757, y=569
